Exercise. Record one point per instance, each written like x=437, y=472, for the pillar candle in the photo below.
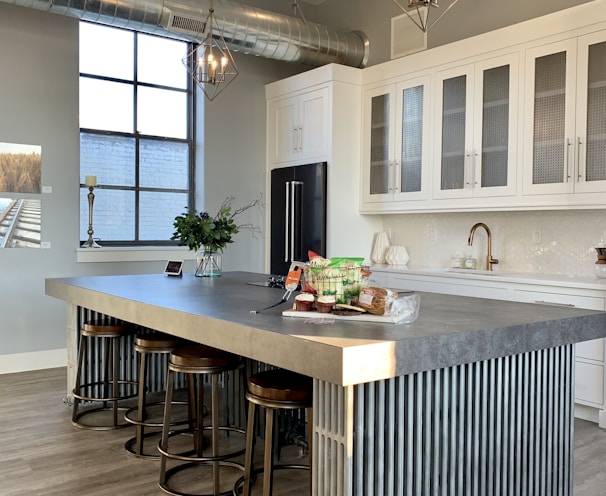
x=90, y=180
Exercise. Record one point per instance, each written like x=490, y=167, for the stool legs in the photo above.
x=250, y=448
x=268, y=457
x=216, y=459
x=109, y=386
x=164, y=440
x=76, y=400
x=275, y=390
x=114, y=380
x=141, y=405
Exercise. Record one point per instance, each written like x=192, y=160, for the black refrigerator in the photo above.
x=298, y=214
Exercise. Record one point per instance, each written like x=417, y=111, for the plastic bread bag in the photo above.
x=387, y=302
x=377, y=300
x=406, y=306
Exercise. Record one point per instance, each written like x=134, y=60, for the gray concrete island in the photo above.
x=474, y=397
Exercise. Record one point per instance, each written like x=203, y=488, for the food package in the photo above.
x=386, y=302
x=341, y=277
x=376, y=300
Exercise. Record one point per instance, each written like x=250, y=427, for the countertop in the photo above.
x=450, y=330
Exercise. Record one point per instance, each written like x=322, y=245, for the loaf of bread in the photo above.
x=377, y=300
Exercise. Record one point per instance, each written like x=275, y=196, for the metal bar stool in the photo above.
x=146, y=345
x=199, y=361
x=109, y=389
x=274, y=389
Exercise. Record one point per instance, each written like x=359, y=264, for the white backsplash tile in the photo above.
x=568, y=238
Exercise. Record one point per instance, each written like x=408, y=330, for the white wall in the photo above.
x=39, y=105
x=234, y=154
x=467, y=18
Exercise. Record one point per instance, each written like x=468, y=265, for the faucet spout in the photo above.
x=489, y=260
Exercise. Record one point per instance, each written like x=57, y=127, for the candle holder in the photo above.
x=90, y=243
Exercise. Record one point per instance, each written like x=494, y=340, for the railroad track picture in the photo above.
x=20, y=224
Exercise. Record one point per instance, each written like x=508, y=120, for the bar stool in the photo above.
x=147, y=345
x=274, y=389
x=110, y=389
x=197, y=362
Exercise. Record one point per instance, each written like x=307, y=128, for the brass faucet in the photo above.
x=489, y=260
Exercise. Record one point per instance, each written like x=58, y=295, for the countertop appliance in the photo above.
x=298, y=214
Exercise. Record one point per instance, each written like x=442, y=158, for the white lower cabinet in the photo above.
x=451, y=287
x=590, y=360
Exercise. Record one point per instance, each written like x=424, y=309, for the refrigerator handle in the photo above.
x=286, y=220
x=295, y=219
x=293, y=186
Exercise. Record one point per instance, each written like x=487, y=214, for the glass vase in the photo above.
x=208, y=263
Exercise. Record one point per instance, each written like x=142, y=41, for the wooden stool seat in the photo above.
x=202, y=359
x=147, y=344
x=273, y=389
x=196, y=362
x=282, y=386
x=158, y=341
x=109, y=389
x=100, y=330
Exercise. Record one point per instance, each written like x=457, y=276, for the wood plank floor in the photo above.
x=41, y=454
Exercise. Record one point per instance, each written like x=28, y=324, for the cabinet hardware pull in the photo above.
x=286, y=220
x=553, y=303
x=579, y=143
x=396, y=175
x=301, y=138
x=466, y=173
x=295, y=139
x=567, y=159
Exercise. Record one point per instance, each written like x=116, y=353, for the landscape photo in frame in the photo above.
x=20, y=195
x=20, y=168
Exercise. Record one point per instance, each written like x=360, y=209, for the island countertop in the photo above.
x=450, y=330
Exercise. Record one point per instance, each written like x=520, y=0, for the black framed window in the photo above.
x=136, y=128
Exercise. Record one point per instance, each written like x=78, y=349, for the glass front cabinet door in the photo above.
x=565, y=138
x=396, y=142
x=476, y=107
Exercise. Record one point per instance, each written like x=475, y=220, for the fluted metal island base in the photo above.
x=473, y=398
x=501, y=426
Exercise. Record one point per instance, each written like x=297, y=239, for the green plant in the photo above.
x=195, y=230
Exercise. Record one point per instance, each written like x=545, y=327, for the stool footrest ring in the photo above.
x=144, y=423
x=202, y=459
x=81, y=397
x=88, y=411
x=169, y=473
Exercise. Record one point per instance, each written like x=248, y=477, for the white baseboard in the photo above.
x=35, y=360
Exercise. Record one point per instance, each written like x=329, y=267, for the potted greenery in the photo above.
x=208, y=236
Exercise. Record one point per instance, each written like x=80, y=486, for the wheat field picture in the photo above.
x=20, y=168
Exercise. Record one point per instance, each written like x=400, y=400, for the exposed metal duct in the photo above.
x=245, y=29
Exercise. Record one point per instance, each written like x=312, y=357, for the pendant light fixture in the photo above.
x=210, y=63
x=423, y=8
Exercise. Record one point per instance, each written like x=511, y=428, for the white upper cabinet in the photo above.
x=396, y=142
x=565, y=136
x=299, y=127
x=475, y=138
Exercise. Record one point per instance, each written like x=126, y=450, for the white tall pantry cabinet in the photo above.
x=316, y=116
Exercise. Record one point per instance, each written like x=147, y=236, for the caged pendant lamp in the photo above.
x=423, y=8
x=210, y=63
